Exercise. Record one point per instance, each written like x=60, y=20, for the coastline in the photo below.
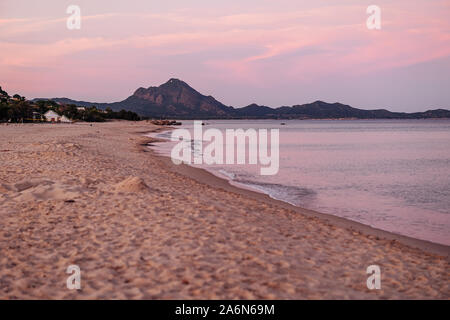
x=140, y=227
x=204, y=176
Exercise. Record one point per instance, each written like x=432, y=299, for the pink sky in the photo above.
x=268, y=52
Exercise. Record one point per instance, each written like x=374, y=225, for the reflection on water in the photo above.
x=393, y=175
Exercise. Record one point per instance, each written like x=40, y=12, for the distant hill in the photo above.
x=176, y=99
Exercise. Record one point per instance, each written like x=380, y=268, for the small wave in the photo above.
x=229, y=175
x=297, y=196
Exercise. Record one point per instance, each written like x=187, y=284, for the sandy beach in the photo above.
x=140, y=227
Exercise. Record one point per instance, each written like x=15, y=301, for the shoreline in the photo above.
x=204, y=176
x=139, y=227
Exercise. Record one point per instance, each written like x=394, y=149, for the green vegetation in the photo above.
x=18, y=109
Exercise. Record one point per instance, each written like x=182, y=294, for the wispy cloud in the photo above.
x=263, y=44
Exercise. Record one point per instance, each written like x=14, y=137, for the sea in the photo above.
x=393, y=175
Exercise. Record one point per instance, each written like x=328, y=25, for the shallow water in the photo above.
x=389, y=174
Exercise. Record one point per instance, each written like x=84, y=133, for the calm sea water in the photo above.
x=392, y=175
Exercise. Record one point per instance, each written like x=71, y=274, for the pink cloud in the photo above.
x=263, y=45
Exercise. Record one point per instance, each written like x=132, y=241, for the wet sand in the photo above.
x=140, y=227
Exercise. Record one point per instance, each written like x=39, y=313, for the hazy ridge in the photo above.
x=176, y=99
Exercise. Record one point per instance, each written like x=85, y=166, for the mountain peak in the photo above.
x=174, y=82
x=176, y=97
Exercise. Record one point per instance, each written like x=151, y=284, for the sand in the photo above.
x=140, y=227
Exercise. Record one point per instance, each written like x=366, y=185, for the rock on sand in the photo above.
x=131, y=184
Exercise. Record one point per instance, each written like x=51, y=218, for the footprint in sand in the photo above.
x=40, y=190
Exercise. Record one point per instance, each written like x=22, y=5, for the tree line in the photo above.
x=19, y=109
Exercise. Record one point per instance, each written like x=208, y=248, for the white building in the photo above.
x=52, y=116
x=65, y=119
